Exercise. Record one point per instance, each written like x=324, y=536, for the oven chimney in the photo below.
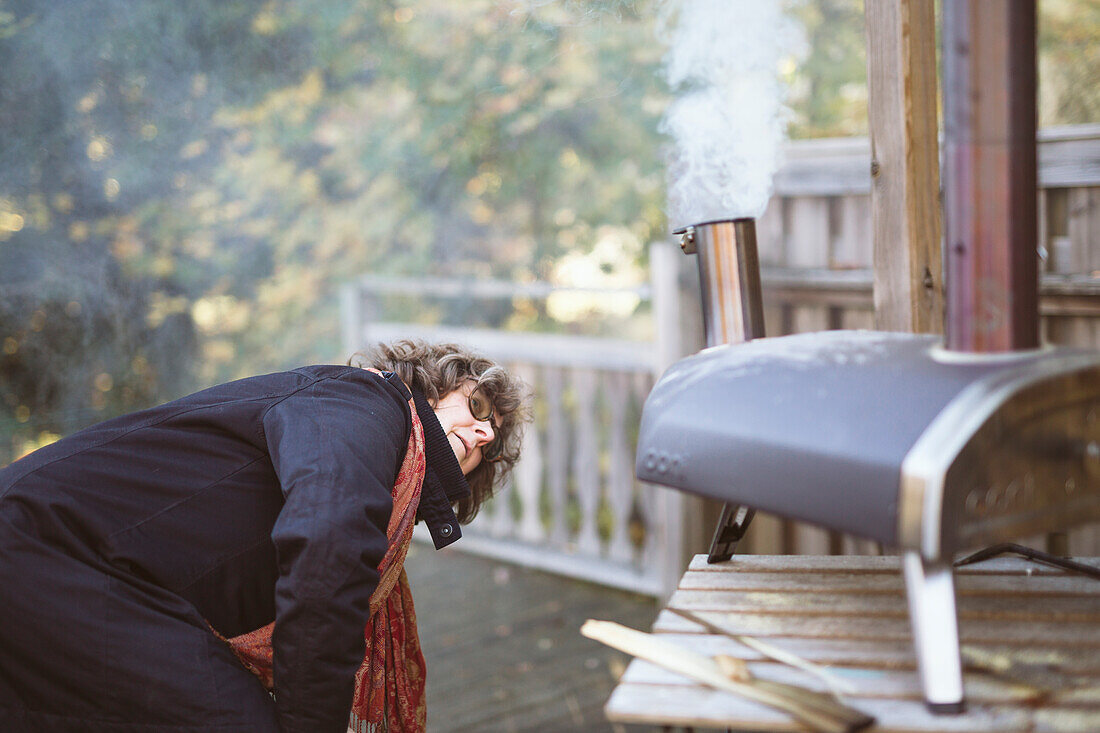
x=990, y=178
x=729, y=277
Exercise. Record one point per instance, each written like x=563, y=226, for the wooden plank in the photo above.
x=857, y=318
x=1005, y=606
x=853, y=237
x=824, y=167
x=810, y=539
x=512, y=642
x=1006, y=565
x=1057, y=221
x=1046, y=263
x=1083, y=228
x=827, y=298
x=806, y=226
x=850, y=544
x=1085, y=541
x=702, y=707
x=966, y=584
x=809, y=318
x=773, y=317
x=765, y=535
x=901, y=71
x=539, y=348
x=1069, y=156
x=889, y=629
x=1057, y=299
x=981, y=688
x=861, y=281
x=1074, y=331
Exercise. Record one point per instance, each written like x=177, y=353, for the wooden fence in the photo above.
x=576, y=508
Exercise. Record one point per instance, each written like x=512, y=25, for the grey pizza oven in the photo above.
x=928, y=445
x=889, y=437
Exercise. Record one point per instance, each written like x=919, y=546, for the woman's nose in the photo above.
x=483, y=429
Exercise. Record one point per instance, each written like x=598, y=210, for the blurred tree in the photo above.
x=96, y=99
x=183, y=186
x=828, y=82
x=1069, y=62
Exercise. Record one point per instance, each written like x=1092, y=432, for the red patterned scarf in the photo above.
x=389, y=686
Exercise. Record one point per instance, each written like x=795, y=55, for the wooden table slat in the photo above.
x=1075, y=608
x=966, y=584
x=1002, y=565
x=840, y=627
x=700, y=707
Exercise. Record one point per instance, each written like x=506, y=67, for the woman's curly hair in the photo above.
x=436, y=370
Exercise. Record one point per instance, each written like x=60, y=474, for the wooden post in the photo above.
x=990, y=175
x=901, y=72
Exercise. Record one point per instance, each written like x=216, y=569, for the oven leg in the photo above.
x=931, y=590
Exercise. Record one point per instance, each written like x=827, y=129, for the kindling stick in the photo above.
x=827, y=718
x=774, y=653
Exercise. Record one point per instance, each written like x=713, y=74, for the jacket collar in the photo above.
x=444, y=483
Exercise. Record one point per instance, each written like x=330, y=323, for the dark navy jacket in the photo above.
x=266, y=498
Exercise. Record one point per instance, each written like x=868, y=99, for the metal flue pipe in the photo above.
x=990, y=218
x=729, y=275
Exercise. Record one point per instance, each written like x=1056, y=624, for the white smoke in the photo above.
x=727, y=120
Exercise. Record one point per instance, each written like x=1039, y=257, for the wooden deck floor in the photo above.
x=503, y=649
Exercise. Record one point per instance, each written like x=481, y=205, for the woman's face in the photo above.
x=466, y=434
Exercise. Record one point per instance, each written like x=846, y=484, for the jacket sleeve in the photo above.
x=334, y=446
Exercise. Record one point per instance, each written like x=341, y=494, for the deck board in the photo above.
x=849, y=613
x=503, y=648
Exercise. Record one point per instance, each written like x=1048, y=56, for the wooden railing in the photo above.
x=573, y=506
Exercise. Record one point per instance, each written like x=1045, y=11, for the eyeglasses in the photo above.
x=481, y=407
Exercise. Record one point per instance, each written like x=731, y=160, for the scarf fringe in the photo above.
x=358, y=725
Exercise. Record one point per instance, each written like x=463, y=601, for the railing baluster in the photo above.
x=528, y=472
x=500, y=523
x=620, y=480
x=655, y=547
x=557, y=448
x=585, y=456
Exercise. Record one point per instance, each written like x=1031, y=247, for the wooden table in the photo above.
x=850, y=613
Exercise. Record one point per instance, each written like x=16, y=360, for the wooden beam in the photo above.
x=901, y=71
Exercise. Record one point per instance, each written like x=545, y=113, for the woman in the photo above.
x=132, y=550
